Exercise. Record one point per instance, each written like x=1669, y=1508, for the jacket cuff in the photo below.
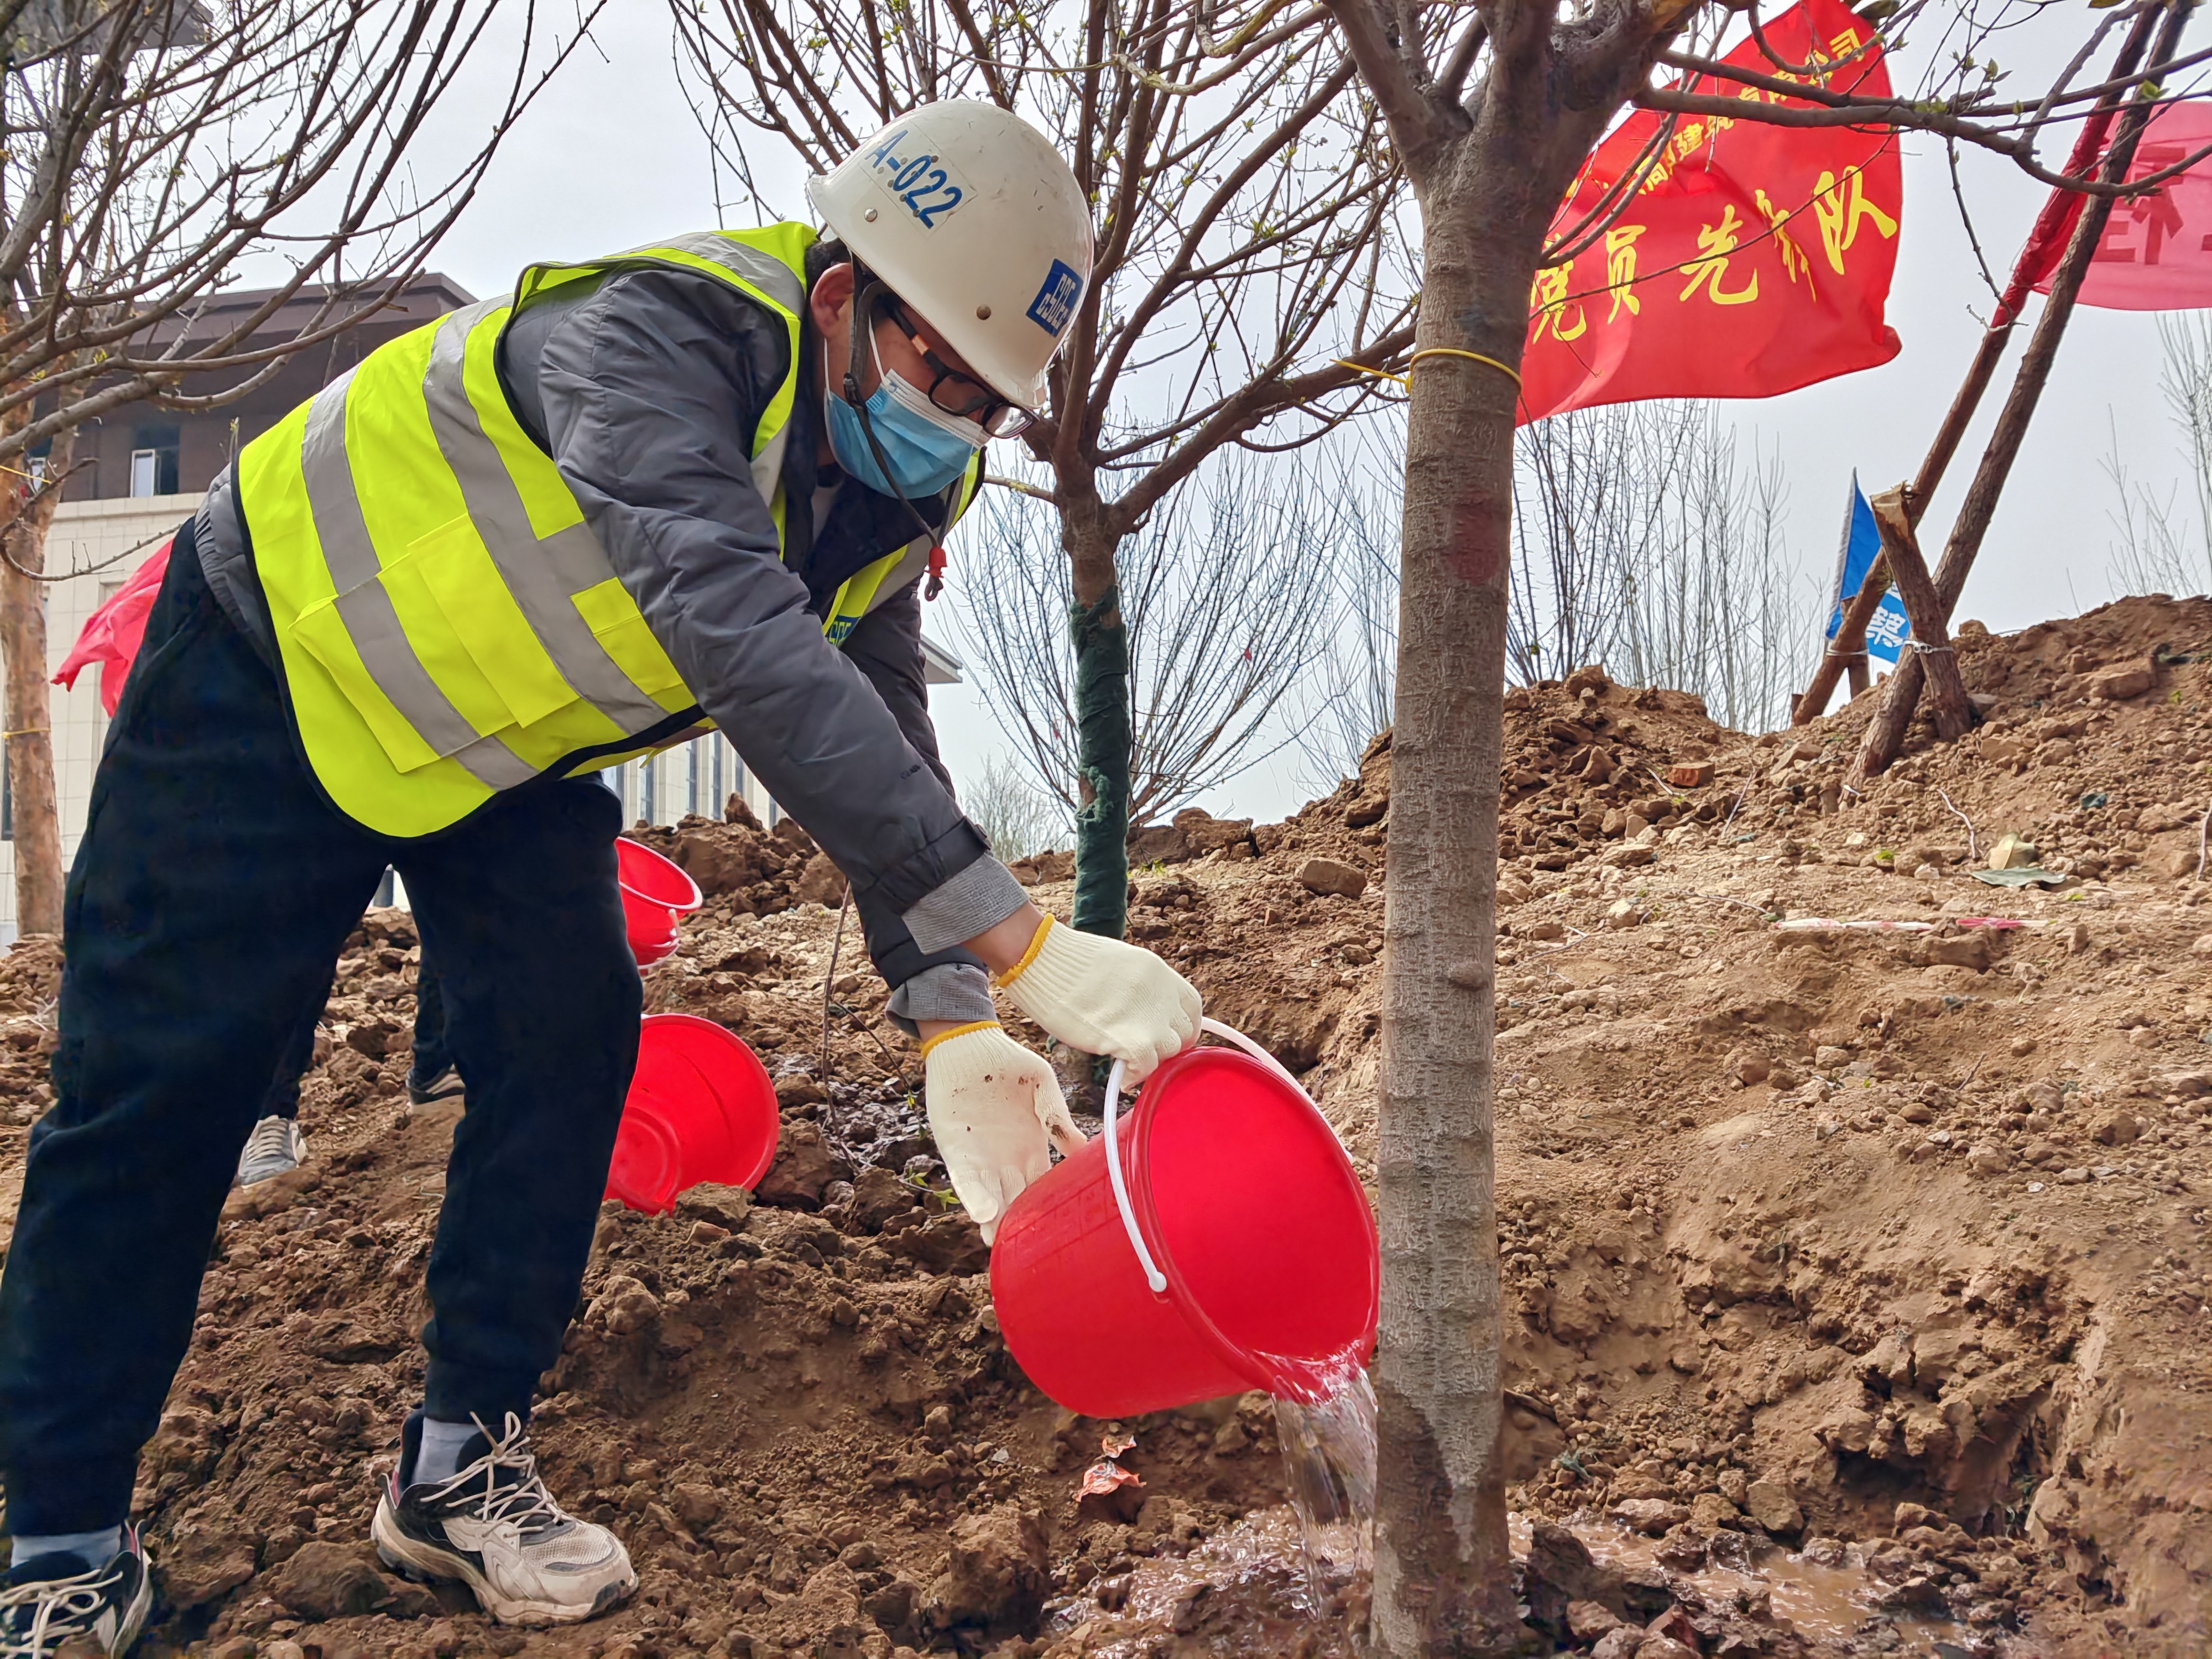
x=952, y=991
x=973, y=901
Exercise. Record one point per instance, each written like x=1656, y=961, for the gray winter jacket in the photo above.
x=645, y=389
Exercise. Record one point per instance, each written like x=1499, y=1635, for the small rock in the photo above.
x=2118, y=1129
x=1987, y=1160
x=624, y=1305
x=204, y=1562
x=1829, y=1058
x=1619, y=1644
x=1690, y=774
x=2118, y=684
x=1917, y=1112
x=698, y=1504
x=948, y=1243
x=2203, y=946
x=1734, y=1483
x=995, y=1576
x=803, y=1167
x=821, y=883
x=1331, y=876
x=712, y=1201
x=2073, y=1177
x=1711, y=1512
x=798, y=1090
x=1664, y=1647
x=1748, y=1069
x=879, y=1196
x=1650, y=1515
x=1683, y=1548
x=1768, y=1503
x=1630, y=856
x=1587, y=1621
x=1624, y=912
x=331, y=1581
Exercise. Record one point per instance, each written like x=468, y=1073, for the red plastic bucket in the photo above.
x=1258, y=1266
x=654, y=893
x=701, y=1108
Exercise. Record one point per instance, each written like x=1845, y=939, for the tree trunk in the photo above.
x=1103, y=735
x=37, y=818
x=1443, y=1583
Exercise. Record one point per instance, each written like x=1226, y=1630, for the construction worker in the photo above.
x=540, y=535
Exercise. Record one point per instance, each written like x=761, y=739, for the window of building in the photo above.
x=153, y=461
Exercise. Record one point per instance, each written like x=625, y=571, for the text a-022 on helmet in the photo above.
x=922, y=183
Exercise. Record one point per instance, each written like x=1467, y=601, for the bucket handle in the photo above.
x=1153, y=1277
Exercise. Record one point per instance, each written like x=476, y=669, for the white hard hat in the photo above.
x=971, y=217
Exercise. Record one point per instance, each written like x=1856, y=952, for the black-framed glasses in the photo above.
x=960, y=395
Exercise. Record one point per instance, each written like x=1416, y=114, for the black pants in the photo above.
x=431, y=1054
x=212, y=890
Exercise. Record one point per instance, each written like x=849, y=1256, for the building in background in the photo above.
x=137, y=474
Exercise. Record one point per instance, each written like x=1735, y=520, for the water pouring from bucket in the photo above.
x=1218, y=1241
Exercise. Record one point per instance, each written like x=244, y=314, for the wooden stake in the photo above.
x=1931, y=643
x=1814, y=700
x=1886, y=732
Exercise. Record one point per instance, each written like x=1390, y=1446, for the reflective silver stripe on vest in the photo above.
x=772, y=277
x=366, y=609
x=543, y=576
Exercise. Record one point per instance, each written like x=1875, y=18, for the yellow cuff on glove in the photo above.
x=996, y=1110
x=1104, y=997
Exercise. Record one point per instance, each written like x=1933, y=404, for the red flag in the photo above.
x=113, y=634
x=2156, y=251
x=1752, y=259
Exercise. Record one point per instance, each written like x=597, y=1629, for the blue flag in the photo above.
x=1887, y=627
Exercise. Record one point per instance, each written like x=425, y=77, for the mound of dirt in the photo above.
x=1886, y=1247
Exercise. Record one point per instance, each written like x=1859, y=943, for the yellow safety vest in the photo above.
x=449, y=625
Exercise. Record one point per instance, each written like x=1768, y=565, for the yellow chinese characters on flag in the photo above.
x=1747, y=259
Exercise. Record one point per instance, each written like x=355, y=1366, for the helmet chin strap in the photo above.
x=867, y=287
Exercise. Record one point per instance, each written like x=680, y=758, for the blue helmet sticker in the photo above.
x=1055, y=302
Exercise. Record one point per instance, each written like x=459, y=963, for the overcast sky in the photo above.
x=612, y=158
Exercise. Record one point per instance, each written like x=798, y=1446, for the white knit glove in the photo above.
x=1104, y=997
x=994, y=1108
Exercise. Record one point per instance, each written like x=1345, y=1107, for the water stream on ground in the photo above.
x=1299, y=1579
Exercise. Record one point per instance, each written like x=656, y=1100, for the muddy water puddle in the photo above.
x=1295, y=1580
x=1816, y=1600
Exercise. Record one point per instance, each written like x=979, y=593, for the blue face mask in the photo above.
x=927, y=448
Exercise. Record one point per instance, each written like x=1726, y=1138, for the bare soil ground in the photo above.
x=1885, y=1248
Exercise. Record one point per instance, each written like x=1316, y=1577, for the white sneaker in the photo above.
x=275, y=1146
x=100, y=1610
x=494, y=1528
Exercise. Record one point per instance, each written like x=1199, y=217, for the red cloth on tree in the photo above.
x=113, y=634
x=1752, y=259
x=2156, y=251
